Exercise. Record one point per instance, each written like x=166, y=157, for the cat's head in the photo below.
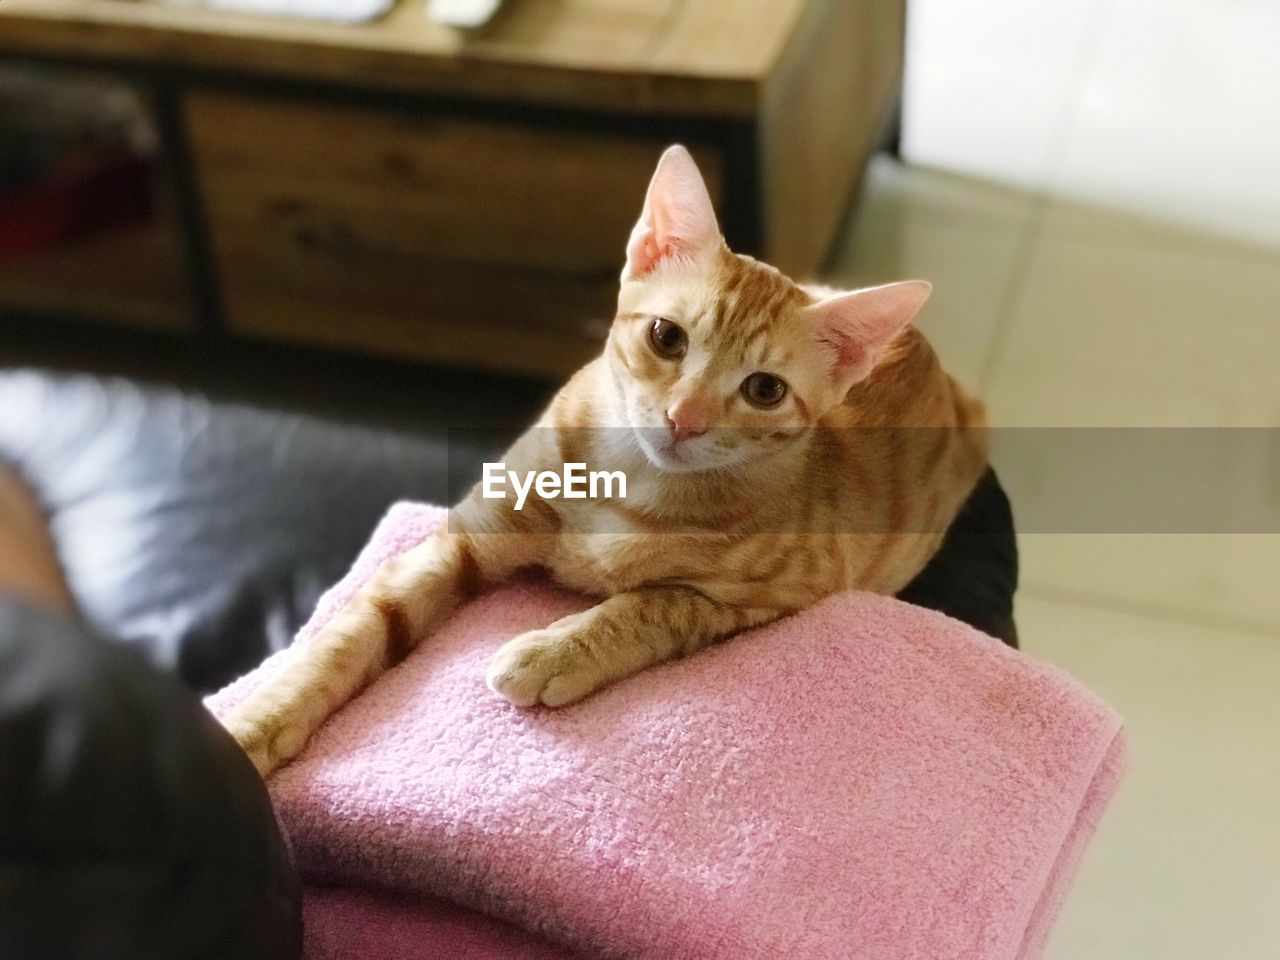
x=720, y=359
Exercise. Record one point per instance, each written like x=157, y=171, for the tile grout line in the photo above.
x=1038, y=215
x=1065, y=596
x=1014, y=289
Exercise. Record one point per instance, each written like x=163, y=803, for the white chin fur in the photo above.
x=686, y=460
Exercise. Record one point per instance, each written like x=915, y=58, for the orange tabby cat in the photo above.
x=748, y=414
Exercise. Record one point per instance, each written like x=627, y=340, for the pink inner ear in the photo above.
x=642, y=253
x=678, y=218
x=849, y=352
x=860, y=325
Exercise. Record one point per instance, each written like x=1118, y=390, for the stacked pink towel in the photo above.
x=865, y=780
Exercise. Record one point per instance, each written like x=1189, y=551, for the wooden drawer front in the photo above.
x=442, y=238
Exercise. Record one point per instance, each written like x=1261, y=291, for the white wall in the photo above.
x=1164, y=107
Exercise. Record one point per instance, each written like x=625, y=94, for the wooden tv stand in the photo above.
x=405, y=189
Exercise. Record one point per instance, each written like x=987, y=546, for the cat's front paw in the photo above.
x=541, y=667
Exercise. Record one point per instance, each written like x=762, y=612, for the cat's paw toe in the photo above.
x=534, y=668
x=514, y=679
x=566, y=688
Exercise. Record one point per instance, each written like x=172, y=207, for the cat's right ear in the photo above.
x=678, y=219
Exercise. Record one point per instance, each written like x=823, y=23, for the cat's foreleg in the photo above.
x=381, y=624
x=626, y=633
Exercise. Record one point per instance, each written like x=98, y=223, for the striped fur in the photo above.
x=765, y=513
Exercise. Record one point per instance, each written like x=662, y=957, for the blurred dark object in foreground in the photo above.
x=131, y=824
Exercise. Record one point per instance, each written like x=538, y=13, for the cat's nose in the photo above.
x=683, y=431
x=688, y=417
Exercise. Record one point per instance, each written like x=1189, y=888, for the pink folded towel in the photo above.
x=356, y=923
x=866, y=779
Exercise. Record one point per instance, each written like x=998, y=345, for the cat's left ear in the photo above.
x=857, y=327
x=678, y=219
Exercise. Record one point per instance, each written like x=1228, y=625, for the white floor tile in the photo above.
x=1230, y=578
x=1122, y=321
x=960, y=234
x=1184, y=864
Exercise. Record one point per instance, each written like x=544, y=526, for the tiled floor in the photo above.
x=1100, y=215
x=1184, y=864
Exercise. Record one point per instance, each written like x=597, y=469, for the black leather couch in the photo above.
x=201, y=533
x=196, y=537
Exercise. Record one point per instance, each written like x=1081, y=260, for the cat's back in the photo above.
x=894, y=463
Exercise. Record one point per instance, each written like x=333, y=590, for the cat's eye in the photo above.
x=764, y=390
x=668, y=339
